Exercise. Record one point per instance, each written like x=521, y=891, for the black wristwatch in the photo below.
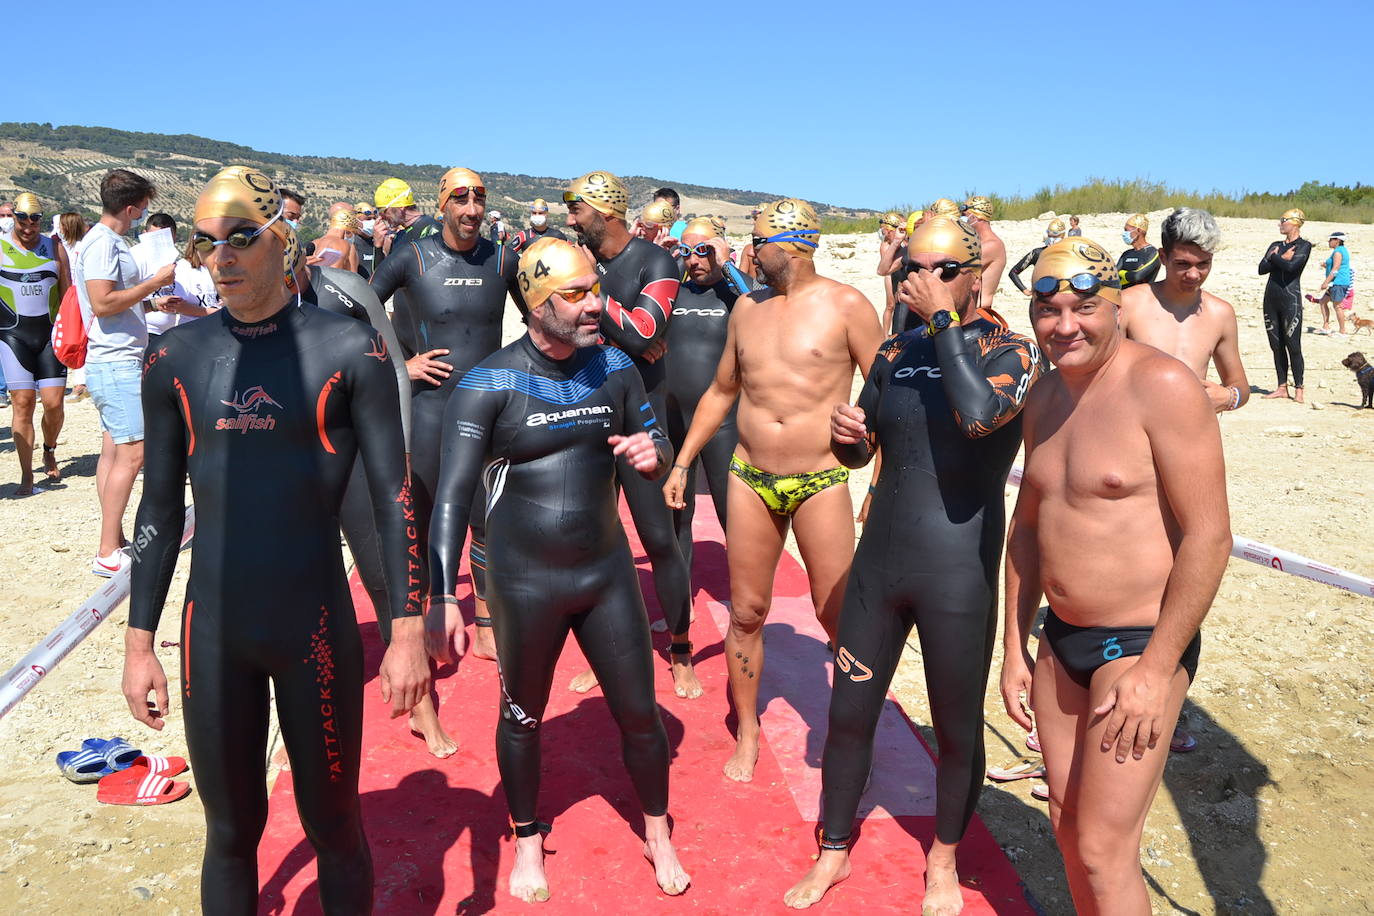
x=941, y=320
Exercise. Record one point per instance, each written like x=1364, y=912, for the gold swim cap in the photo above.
x=601, y=191
x=1075, y=256
x=362, y=206
x=952, y=237
x=27, y=202
x=980, y=207
x=791, y=224
x=1139, y=221
x=549, y=265
x=945, y=207
x=660, y=213
x=343, y=221
x=393, y=193
x=244, y=193
x=454, y=179
x=718, y=222
x=892, y=220
x=703, y=225
x=539, y=206
x=1294, y=216
x=1056, y=227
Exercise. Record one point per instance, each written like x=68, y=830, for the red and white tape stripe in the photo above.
x=1282, y=560
x=43, y=657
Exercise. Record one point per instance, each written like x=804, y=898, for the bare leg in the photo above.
x=658, y=849
x=102, y=465
x=21, y=426
x=832, y=867
x=754, y=542
x=824, y=528
x=54, y=414
x=114, y=497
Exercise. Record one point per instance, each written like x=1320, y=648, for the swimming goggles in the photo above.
x=1083, y=284
x=788, y=236
x=701, y=249
x=948, y=270
x=26, y=217
x=462, y=192
x=577, y=295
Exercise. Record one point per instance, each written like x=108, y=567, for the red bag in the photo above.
x=69, y=337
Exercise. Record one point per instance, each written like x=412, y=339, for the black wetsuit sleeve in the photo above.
x=373, y=397
x=639, y=325
x=509, y=265
x=986, y=384
x=640, y=418
x=1285, y=271
x=859, y=454
x=469, y=420
x=391, y=275
x=1145, y=272
x=162, y=509
x=1015, y=273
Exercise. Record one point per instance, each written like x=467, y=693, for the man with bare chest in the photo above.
x=978, y=214
x=1178, y=316
x=1122, y=524
x=789, y=352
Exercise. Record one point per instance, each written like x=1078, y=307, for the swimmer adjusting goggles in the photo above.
x=790, y=235
x=948, y=270
x=1083, y=284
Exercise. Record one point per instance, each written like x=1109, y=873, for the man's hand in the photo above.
x=445, y=638
x=655, y=351
x=721, y=249
x=847, y=424
x=404, y=673
x=864, y=507
x=675, y=488
x=143, y=675
x=166, y=275
x=639, y=451
x=1219, y=395
x=1137, y=702
x=423, y=367
x=172, y=304
x=1016, y=686
x=1287, y=255
x=925, y=294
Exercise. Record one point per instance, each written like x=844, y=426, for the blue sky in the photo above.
x=855, y=104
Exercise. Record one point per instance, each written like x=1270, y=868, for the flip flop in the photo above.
x=145, y=766
x=1033, y=741
x=153, y=790
x=82, y=766
x=1040, y=790
x=1025, y=768
x=1188, y=743
x=118, y=753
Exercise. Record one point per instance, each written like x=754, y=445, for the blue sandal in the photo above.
x=83, y=766
x=117, y=753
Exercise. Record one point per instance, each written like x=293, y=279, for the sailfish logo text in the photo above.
x=249, y=405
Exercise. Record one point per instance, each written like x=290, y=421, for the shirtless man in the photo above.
x=1179, y=317
x=1122, y=523
x=891, y=243
x=335, y=247
x=978, y=214
x=789, y=351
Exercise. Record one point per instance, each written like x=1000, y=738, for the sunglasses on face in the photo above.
x=28, y=217
x=947, y=270
x=461, y=194
x=577, y=295
x=1083, y=284
x=701, y=249
x=238, y=239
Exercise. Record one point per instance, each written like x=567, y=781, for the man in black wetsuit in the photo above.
x=538, y=228
x=942, y=403
x=696, y=338
x=543, y=421
x=455, y=283
x=369, y=255
x=265, y=405
x=1140, y=263
x=1054, y=232
x=640, y=283
x=1284, y=262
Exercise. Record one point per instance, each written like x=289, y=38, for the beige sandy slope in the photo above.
x=1271, y=814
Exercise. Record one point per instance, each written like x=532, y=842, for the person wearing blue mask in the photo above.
x=1140, y=262
x=293, y=205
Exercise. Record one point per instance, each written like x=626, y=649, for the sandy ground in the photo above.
x=1280, y=707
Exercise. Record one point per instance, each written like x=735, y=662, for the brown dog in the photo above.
x=1364, y=374
x=1366, y=324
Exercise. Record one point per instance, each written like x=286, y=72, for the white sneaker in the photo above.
x=110, y=566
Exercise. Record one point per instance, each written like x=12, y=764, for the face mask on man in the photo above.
x=293, y=223
x=138, y=220
x=1126, y=237
x=367, y=225
x=537, y=220
x=6, y=224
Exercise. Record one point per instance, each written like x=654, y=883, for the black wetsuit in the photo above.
x=370, y=256
x=1283, y=306
x=266, y=418
x=640, y=285
x=1026, y=261
x=456, y=301
x=535, y=429
x=422, y=228
x=946, y=414
x=529, y=236
x=1138, y=265
x=696, y=339
x=903, y=318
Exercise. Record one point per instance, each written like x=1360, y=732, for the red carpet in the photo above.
x=438, y=828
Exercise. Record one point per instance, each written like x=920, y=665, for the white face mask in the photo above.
x=367, y=225
x=1126, y=237
x=138, y=220
x=538, y=219
x=6, y=224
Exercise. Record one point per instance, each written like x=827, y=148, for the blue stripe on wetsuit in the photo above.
x=585, y=383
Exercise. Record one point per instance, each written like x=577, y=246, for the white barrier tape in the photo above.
x=1282, y=560
x=43, y=657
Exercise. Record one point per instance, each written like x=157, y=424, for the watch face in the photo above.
x=942, y=320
